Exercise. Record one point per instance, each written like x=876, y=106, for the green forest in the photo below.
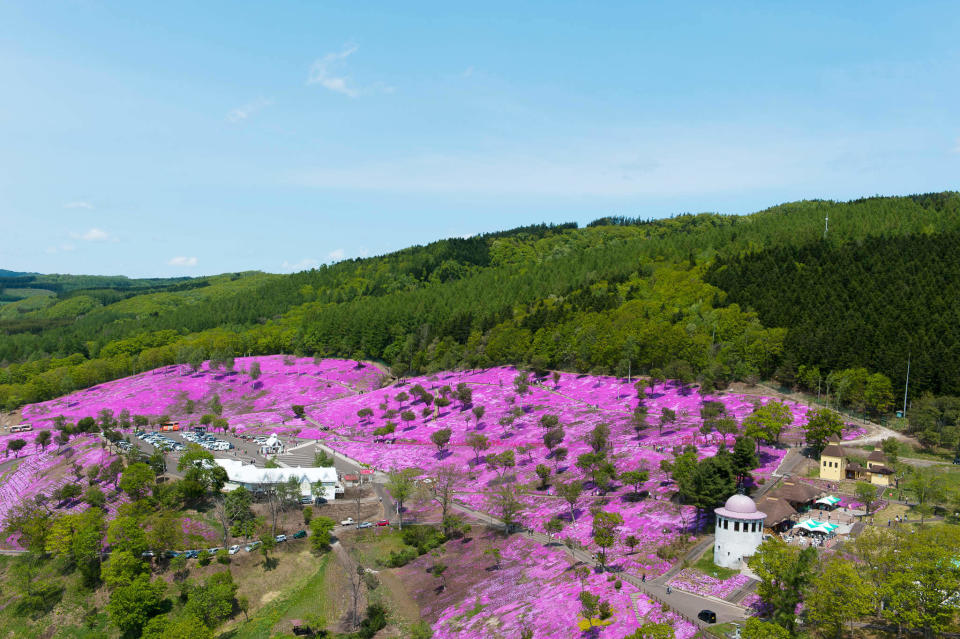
x=702, y=298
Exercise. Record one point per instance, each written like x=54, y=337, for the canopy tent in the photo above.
x=829, y=500
x=812, y=525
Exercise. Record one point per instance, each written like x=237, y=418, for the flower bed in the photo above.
x=699, y=583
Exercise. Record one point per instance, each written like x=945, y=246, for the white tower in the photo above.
x=739, y=531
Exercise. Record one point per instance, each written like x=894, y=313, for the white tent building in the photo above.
x=253, y=478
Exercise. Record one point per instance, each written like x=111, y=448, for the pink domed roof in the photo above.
x=740, y=507
x=740, y=504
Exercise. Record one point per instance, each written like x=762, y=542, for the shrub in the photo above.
x=402, y=557
x=375, y=621
x=204, y=559
x=223, y=556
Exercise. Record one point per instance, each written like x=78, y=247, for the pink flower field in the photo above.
x=246, y=402
x=580, y=402
x=701, y=584
x=537, y=588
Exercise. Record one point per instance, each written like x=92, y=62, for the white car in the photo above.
x=234, y=549
x=347, y=522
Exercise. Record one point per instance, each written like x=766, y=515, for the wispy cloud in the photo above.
x=182, y=261
x=305, y=264
x=243, y=112
x=63, y=248
x=92, y=235
x=335, y=255
x=327, y=72
x=78, y=205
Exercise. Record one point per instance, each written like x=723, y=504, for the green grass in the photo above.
x=299, y=602
x=720, y=629
x=705, y=565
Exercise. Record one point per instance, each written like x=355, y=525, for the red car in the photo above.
x=383, y=522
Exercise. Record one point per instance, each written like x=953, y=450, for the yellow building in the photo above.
x=835, y=465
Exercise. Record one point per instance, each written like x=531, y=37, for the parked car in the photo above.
x=234, y=549
x=306, y=500
x=213, y=551
x=707, y=616
x=365, y=524
x=280, y=539
x=383, y=522
x=300, y=534
x=347, y=522
x=252, y=546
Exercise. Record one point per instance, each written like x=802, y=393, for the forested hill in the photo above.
x=670, y=297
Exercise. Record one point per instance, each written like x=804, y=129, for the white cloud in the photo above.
x=335, y=255
x=324, y=72
x=467, y=72
x=305, y=264
x=243, y=112
x=78, y=205
x=182, y=261
x=92, y=235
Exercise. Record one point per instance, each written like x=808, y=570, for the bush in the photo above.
x=223, y=556
x=375, y=621
x=423, y=538
x=618, y=584
x=204, y=559
x=402, y=557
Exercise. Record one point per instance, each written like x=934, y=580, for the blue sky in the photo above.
x=187, y=138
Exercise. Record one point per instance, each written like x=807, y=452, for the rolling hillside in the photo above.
x=691, y=297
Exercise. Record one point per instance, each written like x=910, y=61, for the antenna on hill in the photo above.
x=906, y=386
x=826, y=226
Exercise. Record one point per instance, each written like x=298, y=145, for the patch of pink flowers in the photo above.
x=702, y=584
x=536, y=588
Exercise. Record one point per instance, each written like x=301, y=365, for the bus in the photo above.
x=20, y=428
x=169, y=426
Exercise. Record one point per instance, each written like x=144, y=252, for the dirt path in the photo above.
x=349, y=567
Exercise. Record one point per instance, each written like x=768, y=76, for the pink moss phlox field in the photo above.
x=246, y=402
x=333, y=392
x=699, y=583
x=580, y=402
x=200, y=531
x=48, y=470
x=851, y=431
x=536, y=586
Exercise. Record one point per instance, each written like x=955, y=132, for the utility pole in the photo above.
x=906, y=386
x=826, y=226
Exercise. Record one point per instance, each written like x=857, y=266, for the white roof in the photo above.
x=241, y=473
